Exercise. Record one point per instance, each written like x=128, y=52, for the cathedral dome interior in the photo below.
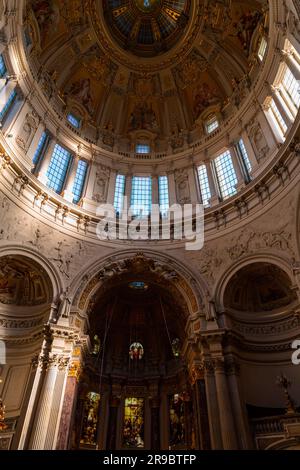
x=149, y=225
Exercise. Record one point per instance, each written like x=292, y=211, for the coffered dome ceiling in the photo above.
x=157, y=68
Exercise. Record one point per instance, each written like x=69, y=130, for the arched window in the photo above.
x=142, y=149
x=212, y=124
x=262, y=48
x=74, y=120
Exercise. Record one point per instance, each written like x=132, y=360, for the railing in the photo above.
x=274, y=424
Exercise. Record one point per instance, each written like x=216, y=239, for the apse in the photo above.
x=259, y=287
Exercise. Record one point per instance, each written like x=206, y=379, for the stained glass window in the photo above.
x=177, y=420
x=133, y=428
x=136, y=351
x=90, y=419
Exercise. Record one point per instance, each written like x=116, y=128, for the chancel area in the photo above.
x=135, y=339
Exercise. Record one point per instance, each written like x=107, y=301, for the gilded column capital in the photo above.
x=197, y=372
x=75, y=370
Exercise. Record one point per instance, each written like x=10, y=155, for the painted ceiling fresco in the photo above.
x=155, y=66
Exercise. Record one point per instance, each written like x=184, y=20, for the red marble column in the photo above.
x=68, y=408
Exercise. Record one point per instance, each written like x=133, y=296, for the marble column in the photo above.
x=239, y=410
x=283, y=111
x=292, y=64
x=193, y=184
x=228, y=431
x=155, y=189
x=68, y=408
x=128, y=187
x=111, y=187
x=237, y=165
x=203, y=433
x=172, y=188
x=212, y=406
x=40, y=425
x=34, y=387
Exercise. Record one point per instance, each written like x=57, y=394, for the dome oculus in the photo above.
x=147, y=27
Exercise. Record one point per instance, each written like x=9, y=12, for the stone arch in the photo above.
x=227, y=276
x=193, y=290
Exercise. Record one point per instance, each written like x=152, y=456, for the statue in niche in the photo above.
x=100, y=188
x=64, y=304
x=101, y=184
x=258, y=140
x=29, y=127
x=182, y=186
